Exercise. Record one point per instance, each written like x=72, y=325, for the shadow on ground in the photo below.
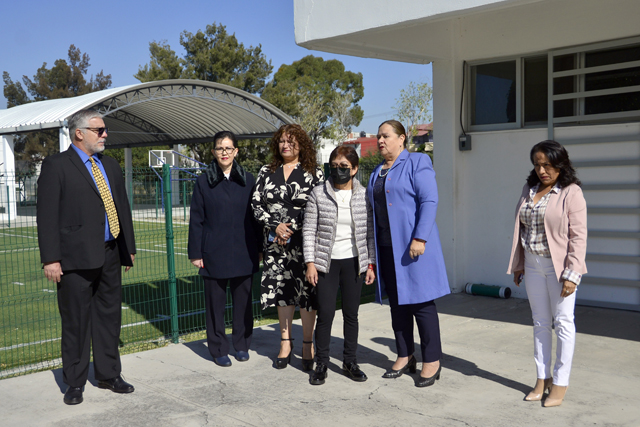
x=620, y=324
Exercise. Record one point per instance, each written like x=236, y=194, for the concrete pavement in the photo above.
x=487, y=370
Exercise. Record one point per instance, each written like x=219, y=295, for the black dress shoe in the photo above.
x=426, y=382
x=242, y=356
x=411, y=366
x=282, y=362
x=73, y=396
x=352, y=370
x=117, y=385
x=319, y=374
x=223, y=361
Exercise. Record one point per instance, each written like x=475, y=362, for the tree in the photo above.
x=164, y=64
x=412, y=107
x=367, y=164
x=215, y=56
x=63, y=80
x=311, y=89
x=342, y=117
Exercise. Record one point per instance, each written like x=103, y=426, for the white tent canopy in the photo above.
x=165, y=112
x=156, y=113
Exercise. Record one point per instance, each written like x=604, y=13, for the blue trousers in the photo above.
x=402, y=316
x=215, y=293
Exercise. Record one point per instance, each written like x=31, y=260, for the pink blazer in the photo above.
x=565, y=223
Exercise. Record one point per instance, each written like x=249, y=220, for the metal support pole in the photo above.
x=171, y=264
x=8, y=205
x=184, y=200
x=131, y=196
x=156, y=199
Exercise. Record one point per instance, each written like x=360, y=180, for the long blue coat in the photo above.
x=222, y=231
x=412, y=201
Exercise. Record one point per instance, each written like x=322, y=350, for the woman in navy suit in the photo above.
x=223, y=244
x=411, y=270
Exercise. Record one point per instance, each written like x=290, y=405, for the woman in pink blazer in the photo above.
x=549, y=248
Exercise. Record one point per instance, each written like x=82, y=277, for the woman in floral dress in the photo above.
x=279, y=200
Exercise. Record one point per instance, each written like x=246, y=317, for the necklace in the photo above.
x=291, y=165
x=385, y=174
x=346, y=192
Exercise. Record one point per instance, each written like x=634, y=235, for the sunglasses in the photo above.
x=99, y=131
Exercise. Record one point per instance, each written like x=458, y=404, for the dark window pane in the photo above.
x=494, y=93
x=564, y=108
x=612, y=103
x=564, y=63
x=562, y=85
x=535, y=90
x=612, y=56
x=612, y=79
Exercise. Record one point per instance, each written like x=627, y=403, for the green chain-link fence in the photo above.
x=162, y=296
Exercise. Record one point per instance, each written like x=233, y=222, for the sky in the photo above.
x=116, y=37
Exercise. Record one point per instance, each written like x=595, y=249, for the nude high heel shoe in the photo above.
x=556, y=396
x=539, y=389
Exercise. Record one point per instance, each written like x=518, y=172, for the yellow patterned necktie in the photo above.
x=109, y=206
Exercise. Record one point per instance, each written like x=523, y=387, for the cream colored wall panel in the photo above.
x=610, y=175
x=612, y=198
x=602, y=245
x=613, y=270
x=604, y=151
x=610, y=294
x=613, y=222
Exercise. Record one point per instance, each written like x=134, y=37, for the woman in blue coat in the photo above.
x=223, y=244
x=411, y=269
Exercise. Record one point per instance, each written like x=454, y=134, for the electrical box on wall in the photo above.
x=464, y=142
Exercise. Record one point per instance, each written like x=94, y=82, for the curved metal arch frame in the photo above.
x=115, y=103
x=139, y=123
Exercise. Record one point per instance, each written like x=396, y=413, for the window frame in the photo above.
x=580, y=118
x=470, y=104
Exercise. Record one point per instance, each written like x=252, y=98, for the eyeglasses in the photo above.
x=99, y=131
x=341, y=165
x=290, y=143
x=226, y=150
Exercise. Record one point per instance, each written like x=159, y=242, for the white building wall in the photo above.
x=478, y=189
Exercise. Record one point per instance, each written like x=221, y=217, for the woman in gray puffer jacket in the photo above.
x=339, y=251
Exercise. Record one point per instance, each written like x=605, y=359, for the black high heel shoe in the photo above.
x=307, y=364
x=411, y=366
x=426, y=382
x=282, y=362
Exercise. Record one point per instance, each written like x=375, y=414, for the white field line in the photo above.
x=160, y=252
x=18, y=235
x=33, y=367
x=28, y=344
x=159, y=318
x=18, y=250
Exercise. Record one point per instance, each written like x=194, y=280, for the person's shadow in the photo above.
x=463, y=366
x=59, y=379
x=266, y=342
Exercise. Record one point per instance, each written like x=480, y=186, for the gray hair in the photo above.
x=80, y=120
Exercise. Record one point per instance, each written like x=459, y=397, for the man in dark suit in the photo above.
x=85, y=234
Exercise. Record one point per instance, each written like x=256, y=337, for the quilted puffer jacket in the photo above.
x=320, y=222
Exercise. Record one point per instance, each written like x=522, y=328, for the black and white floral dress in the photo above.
x=278, y=201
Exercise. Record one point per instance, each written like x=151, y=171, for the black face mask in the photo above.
x=341, y=175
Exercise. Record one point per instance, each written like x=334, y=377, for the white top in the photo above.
x=344, y=245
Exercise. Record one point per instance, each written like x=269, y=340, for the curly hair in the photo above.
x=307, y=156
x=559, y=159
